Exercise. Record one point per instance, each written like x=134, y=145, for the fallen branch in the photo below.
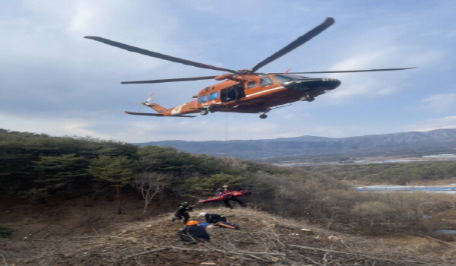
x=4, y=260
x=144, y=253
x=232, y=252
x=357, y=254
x=39, y=230
x=448, y=243
x=209, y=248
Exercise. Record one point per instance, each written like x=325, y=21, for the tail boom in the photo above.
x=177, y=111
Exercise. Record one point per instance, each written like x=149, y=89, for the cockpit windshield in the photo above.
x=284, y=78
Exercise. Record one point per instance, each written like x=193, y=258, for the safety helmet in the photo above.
x=203, y=214
x=184, y=204
x=191, y=222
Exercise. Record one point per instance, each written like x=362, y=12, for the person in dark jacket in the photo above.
x=182, y=212
x=212, y=217
x=228, y=204
x=193, y=233
x=226, y=195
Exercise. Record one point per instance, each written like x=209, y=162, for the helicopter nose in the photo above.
x=322, y=84
x=313, y=83
x=332, y=83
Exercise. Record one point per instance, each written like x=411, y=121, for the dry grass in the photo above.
x=327, y=202
x=263, y=239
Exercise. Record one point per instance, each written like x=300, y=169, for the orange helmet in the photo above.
x=192, y=222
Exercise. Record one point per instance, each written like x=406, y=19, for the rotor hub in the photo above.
x=244, y=71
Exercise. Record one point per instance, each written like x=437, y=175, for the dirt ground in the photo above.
x=79, y=232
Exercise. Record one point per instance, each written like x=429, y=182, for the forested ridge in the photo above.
x=37, y=166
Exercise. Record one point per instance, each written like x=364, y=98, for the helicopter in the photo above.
x=244, y=90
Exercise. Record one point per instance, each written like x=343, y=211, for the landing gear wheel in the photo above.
x=263, y=116
x=204, y=112
x=307, y=98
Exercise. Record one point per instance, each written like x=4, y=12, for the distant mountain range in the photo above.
x=311, y=147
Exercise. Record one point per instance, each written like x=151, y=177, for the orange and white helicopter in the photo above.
x=245, y=90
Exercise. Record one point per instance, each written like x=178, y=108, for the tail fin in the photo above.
x=157, y=108
x=154, y=106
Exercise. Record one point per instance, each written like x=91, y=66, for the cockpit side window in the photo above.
x=202, y=98
x=213, y=95
x=265, y=81
x=251, y=84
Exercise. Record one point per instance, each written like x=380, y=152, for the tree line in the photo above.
x=38, y=166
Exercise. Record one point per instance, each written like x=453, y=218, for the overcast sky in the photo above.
x=56, y=82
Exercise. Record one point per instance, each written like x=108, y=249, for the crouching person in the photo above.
x=193, y=233
x=212, y=217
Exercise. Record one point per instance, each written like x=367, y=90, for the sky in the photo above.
x=55, y=82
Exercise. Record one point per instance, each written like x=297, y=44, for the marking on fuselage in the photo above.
x=257, y=93
x=177, y=110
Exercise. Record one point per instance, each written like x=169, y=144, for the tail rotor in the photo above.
x=146, y=103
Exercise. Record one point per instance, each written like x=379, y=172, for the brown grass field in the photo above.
x=71, y=233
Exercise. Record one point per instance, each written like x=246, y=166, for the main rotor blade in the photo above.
x=349, y=71
x=167, y=80
x=295, y=44
x=157, y=55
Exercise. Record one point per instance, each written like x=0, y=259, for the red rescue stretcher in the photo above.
x=226, y=194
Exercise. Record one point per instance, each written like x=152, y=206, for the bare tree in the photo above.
x=148, y=182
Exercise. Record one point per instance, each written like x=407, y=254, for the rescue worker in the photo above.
x=212, y=217
x=227, y=202
x=225, y=194
x=182, y=211
x=193, y=233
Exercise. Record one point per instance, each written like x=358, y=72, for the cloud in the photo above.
x=433, y=124
x=440, y=103
x=53, y=127
x=388, y=46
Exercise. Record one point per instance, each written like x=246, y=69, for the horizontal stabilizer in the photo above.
x=152, y=114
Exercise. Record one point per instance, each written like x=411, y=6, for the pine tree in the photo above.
x=116, y=170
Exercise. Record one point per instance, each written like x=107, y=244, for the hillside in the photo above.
x=309, y=147
x=71, y=237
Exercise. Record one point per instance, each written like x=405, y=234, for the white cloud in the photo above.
x=52, y=126
x=433, y=124
x=440, y=103
x=383, y=47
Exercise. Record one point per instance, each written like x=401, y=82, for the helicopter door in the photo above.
x=232, y=93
